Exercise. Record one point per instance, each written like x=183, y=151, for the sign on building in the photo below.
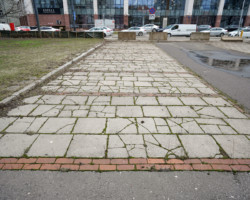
x=49, y=11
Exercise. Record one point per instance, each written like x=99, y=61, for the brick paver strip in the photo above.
x=45, y=160
x=32, y=166
x=13, y=166
x=8, y=160
x=101, y=161
x=175, y=161
x=153, y=160
x=183, y=167
x=107, y=167
x=119, y=164
x=125, y=167
x=221, y=167
x=164, y=167
x=27, y=160
x=89, y=167
x=188, y=161
x=119, y=161
x=202, y=167
x=50, y=167
x=137, y=161
x=83, y=161
x=240, y=167
x=70, y=167
x=64, y=160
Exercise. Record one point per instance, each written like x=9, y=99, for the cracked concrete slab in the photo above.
x=15, y=145
x=58, y=125
x=236, y=146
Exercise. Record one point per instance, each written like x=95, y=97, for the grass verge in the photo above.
x=25, y=60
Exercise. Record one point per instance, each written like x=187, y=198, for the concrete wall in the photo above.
x=126, y=36
x=158, y=36
x=200, y=36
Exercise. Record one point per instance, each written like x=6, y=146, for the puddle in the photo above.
x=237, y=65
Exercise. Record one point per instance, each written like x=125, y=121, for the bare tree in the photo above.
x=9, y=8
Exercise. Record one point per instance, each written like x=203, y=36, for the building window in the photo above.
x=111, y=9
x=1, y=13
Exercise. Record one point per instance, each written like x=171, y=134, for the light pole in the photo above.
x=74, y=15
x=37, y=18
x=240, y=22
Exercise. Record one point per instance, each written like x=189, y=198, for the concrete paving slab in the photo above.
x=5, y=122
x=88, y=146
x=236, y=146
x=90, y=125
x=15, y=145
x=121, y=126
x=129, y=111
x=200, y=146
x=155, y=111
x=58, y=125
x=50, y=146
x=242, y=126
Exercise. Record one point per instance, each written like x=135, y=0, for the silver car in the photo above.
x=139, y=30
x=151, y=27
x=216, y=31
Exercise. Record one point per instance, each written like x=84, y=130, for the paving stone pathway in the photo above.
x=126, y=100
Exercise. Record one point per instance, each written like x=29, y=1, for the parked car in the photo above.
x=150, y=27
x=22, y=28
x=231, y=27
x=100, y=29
x=216, y=31
x=180, y=29
x=4, y=27
x=138, y=30
x=47, y=28
x=203, y=27
x=235, y=33
x=108, y=30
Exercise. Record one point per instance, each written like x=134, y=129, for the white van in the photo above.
x=180, y=29
x=4, y=27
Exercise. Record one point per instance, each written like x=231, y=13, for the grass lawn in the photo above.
x=25, y=60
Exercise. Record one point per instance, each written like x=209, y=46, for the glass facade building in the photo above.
x=111, y=9
x=84, y=13
x=139, y=11
x=232, y=11
x=205, y=12
x=127, y=13
x=50, y=4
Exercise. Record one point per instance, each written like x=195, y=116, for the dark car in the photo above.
x=203, y=27
x=232, y=27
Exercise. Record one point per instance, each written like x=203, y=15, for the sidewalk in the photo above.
x=127, y=101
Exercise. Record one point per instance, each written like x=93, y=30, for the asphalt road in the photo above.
x=123, y=185
x=230, y=83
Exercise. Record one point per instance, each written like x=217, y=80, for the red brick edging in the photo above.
x=132, y=164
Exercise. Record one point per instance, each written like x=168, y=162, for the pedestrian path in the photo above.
x=126, y=100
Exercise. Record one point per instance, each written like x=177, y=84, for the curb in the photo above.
x=46, y=77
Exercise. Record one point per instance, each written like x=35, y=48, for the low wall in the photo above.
x=50, y=34
x=231, y=39
x=126, y=36
x=159, y=36
x=200, y=36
